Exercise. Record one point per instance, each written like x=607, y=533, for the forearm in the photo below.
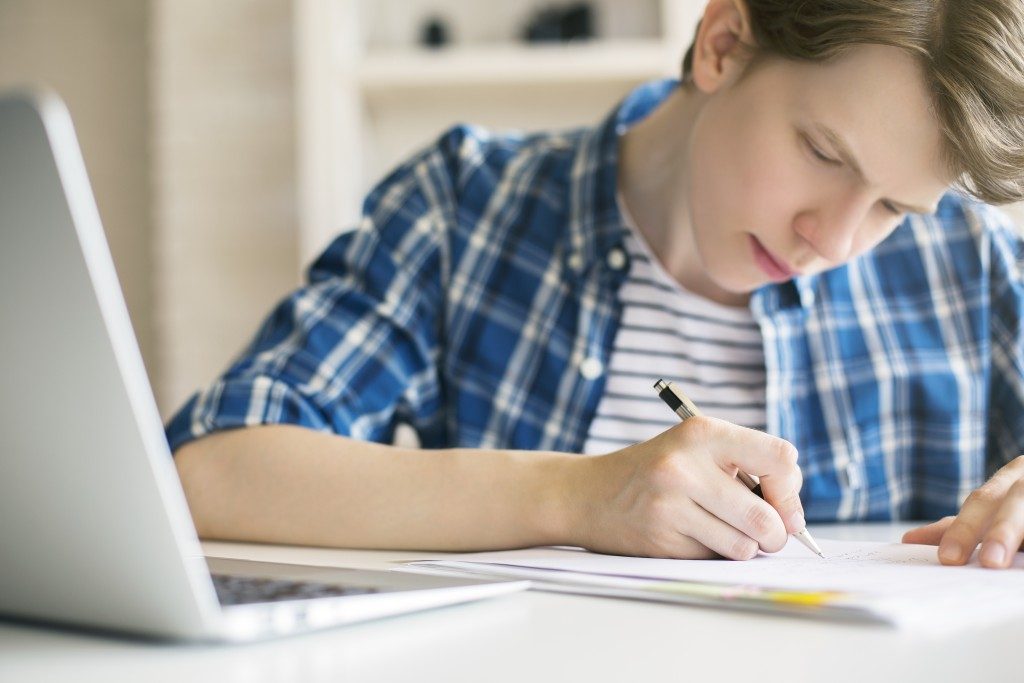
x=285, y=484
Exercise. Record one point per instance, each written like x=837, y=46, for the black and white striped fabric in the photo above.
x=714, y=353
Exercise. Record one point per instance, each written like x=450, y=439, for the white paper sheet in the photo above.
x=898, y=583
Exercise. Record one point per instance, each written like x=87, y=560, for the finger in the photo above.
x=683, y=547
x=783, y=494
x=1006, y=530
x=966, y=529
x=768, y=457
x=720, y=537
x=929, y=534
x=728, y=499
x=674, y=546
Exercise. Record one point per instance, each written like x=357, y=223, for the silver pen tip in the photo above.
x=806, y=539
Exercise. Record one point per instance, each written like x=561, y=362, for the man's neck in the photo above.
x=654, y=182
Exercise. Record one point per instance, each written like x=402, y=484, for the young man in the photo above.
x=776, y=234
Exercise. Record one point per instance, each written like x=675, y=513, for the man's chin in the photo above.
x=731, y=292
x=740, y=285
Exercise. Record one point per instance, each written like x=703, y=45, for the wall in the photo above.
x=94, y=53
x=224, y=140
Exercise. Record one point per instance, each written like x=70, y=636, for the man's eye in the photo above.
x=821, y=156
x=892, y=209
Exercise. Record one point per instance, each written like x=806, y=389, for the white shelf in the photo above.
x=368, y=95
x=598, y=61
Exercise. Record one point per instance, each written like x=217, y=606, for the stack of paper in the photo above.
x=898, y=584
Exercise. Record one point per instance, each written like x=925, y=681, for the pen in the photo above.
x=685, y=409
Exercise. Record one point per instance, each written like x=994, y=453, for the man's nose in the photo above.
x=831, y=231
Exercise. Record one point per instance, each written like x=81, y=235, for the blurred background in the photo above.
x=228, y=141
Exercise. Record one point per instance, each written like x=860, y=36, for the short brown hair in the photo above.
x=972, y=54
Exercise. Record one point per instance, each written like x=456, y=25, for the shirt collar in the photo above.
x=800, y=293
x=596, y=225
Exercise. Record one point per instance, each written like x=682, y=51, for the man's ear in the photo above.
x=718, y=50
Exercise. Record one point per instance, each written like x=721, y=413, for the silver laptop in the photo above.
x=94, y=528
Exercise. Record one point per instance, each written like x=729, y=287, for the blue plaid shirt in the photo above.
x=476, y=287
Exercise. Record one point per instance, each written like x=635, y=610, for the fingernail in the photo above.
x=993, y=554
x=950, y=551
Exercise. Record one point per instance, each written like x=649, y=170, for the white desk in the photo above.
x=530, y=637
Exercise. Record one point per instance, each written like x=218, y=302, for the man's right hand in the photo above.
x=677, y=495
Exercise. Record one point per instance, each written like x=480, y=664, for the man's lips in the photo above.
x=772, y=265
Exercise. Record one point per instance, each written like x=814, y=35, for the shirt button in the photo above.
x=591, y=367
x=576, y=262
x=616, y=259
x=852, y=475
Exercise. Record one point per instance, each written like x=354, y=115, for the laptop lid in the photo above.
x=93, y=522
x=94, y=527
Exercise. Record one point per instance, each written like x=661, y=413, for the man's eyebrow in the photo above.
x=843, y=150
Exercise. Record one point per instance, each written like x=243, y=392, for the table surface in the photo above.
x=530, y=636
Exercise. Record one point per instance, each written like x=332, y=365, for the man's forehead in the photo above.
x=875, y=106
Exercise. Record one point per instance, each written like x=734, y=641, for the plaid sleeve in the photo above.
x=355, y=350
x=1006, y=404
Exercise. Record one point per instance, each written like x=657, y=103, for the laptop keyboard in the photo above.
x=241, y=590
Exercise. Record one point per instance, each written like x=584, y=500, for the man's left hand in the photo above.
x=992, y=514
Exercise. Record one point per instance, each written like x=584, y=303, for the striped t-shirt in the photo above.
x=713, y=352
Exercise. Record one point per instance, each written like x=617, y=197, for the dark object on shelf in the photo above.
x=560, y=24
x=434, y=33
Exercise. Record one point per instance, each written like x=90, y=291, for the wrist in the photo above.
x=566, y=508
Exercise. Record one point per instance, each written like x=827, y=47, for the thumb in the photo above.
x=929, y=534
